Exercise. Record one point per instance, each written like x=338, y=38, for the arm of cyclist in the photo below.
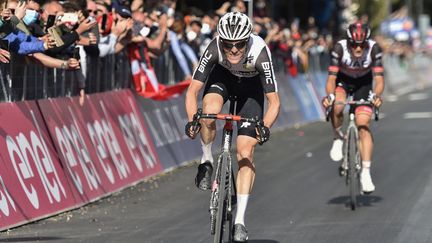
x=378, y=73
x=269, y=83
x=333, y=70
x=205, y=65
x=191, y=103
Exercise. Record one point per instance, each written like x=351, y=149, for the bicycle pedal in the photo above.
x=342, y=171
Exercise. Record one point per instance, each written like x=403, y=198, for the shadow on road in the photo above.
x=31, y=239
x=363, y=201
x=262, y=241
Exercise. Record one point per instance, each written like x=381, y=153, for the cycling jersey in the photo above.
x=255, y=62
x=343, y=61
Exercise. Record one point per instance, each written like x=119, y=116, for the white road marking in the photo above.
x=391, y=98
x=418, y=96
x=417, y=115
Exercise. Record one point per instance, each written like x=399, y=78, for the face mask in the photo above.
x=30, y=17
x=205, y=29
x=170, y=12
x=191, y=35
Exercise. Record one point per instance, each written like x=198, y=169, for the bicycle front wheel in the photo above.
x=353, y=176
x=221, y=212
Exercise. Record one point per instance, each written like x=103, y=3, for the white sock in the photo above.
x=242, y=200
x=366, y=166
x=207, y=152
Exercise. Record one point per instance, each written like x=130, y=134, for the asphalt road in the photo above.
x=298, y=196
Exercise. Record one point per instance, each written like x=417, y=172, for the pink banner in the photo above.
x=32, y=182
x=103, y=145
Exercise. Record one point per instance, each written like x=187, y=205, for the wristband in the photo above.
x=63, y=65
x=331, y=97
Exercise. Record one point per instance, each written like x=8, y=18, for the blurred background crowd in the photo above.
x=52, y=48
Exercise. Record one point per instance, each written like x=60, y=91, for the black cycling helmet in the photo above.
x=358, y=33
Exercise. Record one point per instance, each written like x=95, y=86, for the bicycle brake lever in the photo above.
x=328, y=110
x=260, y=135
x=376, y=113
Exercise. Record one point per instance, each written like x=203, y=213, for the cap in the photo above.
x=123, y=11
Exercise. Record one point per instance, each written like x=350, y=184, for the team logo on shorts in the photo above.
x=245, y=125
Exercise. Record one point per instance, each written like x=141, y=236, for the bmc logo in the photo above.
x=205, y=59
x=267, y=72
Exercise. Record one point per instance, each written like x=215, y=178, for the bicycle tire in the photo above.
x=222, y=204
x=231, y=196
x=352, y=170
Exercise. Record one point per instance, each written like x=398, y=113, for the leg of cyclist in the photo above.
x=245, y=180
x=212, y=103
x=246, y=142
x=363, y=116
x=336, y=152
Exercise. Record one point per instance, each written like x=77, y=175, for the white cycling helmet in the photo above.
x=234, y=26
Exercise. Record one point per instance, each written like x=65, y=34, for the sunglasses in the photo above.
x=95, y=12
x=228, y=46
x=355, y=45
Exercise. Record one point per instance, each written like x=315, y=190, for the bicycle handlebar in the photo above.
x=227, y=117
x=199, y=115
x=353, y=102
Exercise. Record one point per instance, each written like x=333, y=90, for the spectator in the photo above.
x=180, y=48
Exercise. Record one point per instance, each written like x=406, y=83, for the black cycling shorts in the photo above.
x=248, y=92
x=358, y=87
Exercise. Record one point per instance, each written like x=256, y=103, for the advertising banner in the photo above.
x=166, y=121
x=32, y=182
x=103, y=144
x=306, y=96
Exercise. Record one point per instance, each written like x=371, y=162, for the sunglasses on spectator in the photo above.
x=95, y=12
x=229, y=45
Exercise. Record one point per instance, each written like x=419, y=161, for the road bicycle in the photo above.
x=351, y=164
x=223, y=190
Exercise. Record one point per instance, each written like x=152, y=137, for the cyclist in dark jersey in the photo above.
x=355, y=63
x=235, y=63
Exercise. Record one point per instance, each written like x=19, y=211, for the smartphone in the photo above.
x=55, y=33
x=104, y=21
x=76, y=54
x=4, y=44
x=86, y=13
x=50, y=22
x=145, y=31
x=71, y=18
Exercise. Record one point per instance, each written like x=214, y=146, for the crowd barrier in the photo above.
x=56, y=154
x=24, y=80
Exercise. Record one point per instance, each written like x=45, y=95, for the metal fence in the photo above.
x=24, y=80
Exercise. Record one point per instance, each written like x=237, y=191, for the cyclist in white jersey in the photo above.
x=355, y=63
x=235, y=63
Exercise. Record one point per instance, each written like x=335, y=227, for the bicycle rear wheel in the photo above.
x=221, y=213
x=353, y=176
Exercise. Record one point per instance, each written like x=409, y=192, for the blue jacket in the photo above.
x=23, y=44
